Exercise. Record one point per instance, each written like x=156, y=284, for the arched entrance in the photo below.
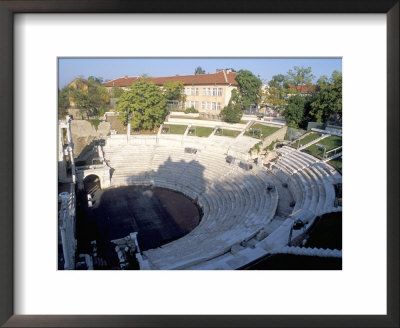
x=91, y=183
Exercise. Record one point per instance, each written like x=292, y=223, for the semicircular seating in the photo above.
x=237, y=205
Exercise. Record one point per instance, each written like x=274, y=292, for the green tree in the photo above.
x=116, y=92
x=273, y=97
x=199, y=70
x=279, y=82
x=95, y=80
x=63, y=101
x=144, y=103
x=235, y=97
x=328, y=101
x=294, y=111
x=191, y=110
x=230, y=68
x=174, y=90
x=232, y=113
x=90, y=96
x=300, y=76
x=249, y=88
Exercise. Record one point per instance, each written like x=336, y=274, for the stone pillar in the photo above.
x=62, y=165
x=128, y=130
x=71, y=148
x=66, y=226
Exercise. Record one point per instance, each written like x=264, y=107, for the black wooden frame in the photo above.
x=7, y=10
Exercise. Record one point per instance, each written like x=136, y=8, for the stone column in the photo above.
x=66, y=239
x=128, y=130
x=71, y=149
x=62, y=165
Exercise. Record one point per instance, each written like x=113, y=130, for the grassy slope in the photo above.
x=230, y=133
x=265, y=130
x=202, y=131
x=176, y=129
x=330, y=143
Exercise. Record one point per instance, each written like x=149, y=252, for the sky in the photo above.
x=112, y=68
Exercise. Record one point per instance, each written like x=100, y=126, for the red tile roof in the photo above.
x=220, y=77
x=304, y=88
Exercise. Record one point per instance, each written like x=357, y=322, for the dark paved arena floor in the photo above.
x=158, y=215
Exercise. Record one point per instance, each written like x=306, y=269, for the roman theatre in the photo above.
x=163, y=201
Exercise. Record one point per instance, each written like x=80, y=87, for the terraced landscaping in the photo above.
x=254, y=131
x=175, y=129
x=305, y=140
x=227, y=133
x=200, y=131
x=330, y=143
x=337, y=162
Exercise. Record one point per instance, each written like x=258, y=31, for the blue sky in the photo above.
x=112, y=68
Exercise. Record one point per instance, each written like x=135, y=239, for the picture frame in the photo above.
x=9, y=8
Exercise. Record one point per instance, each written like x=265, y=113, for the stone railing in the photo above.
x=307, y=251
x=67, y=226
x=314, y=141
x=186, y=121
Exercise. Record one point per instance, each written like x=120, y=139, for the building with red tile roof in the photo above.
x=208, y=93
x=304, y=89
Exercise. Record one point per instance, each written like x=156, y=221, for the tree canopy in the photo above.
x=328, y=101
x=63, y=101
x=199, y=70
x=95, y=80
x=249, y=88
x=294, y=111
x=232, y=113
x=274, y=97
x=116, y=92
x=173, y=90
x=89, y=96
x=279, y=82
x=300, y=76
x=92, y=101
x=144, y=103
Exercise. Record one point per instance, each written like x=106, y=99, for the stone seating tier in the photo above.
x=236, y=203
x=310, y=181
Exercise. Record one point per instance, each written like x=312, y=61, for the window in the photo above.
x=197, y=91
x=193, y=92
x=208, y=91
x=208, y=105
x=203, y=104
x=218, y=106
x=219, y=91
x=214, y=106
x=214, y=91
x=204, y=92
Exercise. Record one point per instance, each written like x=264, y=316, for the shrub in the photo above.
x=256, y=147
x=191, y=110
x=232, y=113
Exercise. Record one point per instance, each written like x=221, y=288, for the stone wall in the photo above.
x=84, y=133
x=280, y=134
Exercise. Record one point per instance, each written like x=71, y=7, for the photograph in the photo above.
x=210, y=174
x=199, y=163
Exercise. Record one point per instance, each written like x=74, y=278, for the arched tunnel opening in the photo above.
x=91, y=184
